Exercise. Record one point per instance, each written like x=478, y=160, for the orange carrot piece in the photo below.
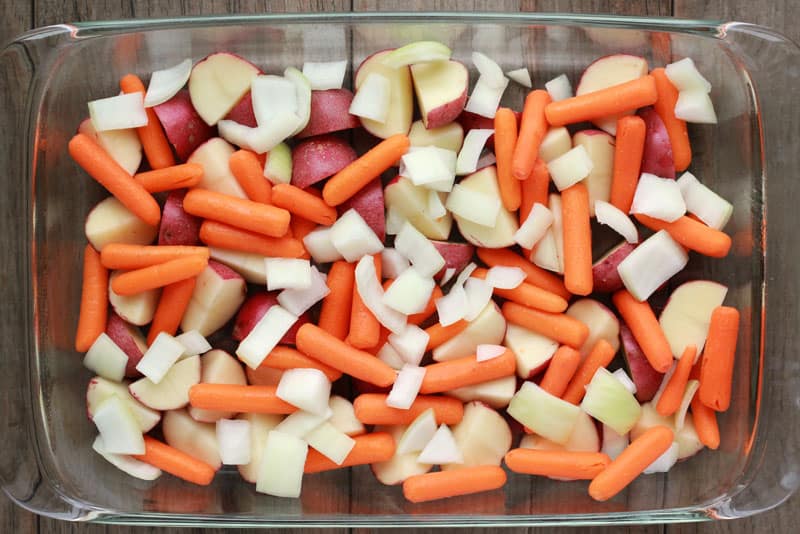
x=180, y=176
x=438, y=334
x=94, y=300
x=563, y=464
x=299, y=228
x=350, y=180
x=534, y=275
x=528, y=295
x=505, y=137
x=154, y=140
x=254, y=216
x=288, y=358
x=560, y=370
x=692, y=234
x=577, y=239
x=636, y=457
x=326, y=348
x=716, y=373
x=445, y=484
x=557, y=326
x=176, y=462
x=534, y=189
x=466, y=371
x=171, y=306
x=369, y=448
x=600, y=356
x=645, y=328
x=430, y=308
x=99, y=165
x=371, y=409
x=249, y=172
x=303, y=204
x=217, y=234
x=160, y=275
x=676, y=128
x=334, y=317
x=365, y=330
x=611, y=101
x=705, y=423
x=238, y=398
x=670, y=399
x=532, y=130
x=126, y=256
x=628, y=153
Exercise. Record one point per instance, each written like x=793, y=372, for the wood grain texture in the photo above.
x=19, y=15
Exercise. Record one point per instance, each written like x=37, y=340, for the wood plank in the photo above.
x=653, y=8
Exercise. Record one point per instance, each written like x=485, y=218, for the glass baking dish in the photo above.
x=48, y=75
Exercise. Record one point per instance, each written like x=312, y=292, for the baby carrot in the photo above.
x=577, y=239
x=445, y=484
x=557, y=326
x=716, y=373
x=334, y=317
x=326, y=348
x=616, y=99
x=299, y=228
x=534, y=189
x=217, y=234
x=176, y=462
x=288, y=358
x=438, y=334
x=600, y=356
x=430, y=308
x=238, y=398
x=692, y=234
x=154, y=141
x=171, y=306
x=670, y=399
x=350, y=180
x=102, y=167
x=533, y=274
x=532, y=129
x=560, y=370
x=365, y=330
x=505, y=137
x=160, y=275
x=563, y=464
x=249, y=172
x=369, y=448
x=94, y=300
x=646, y=330
x=705, y=423
x=676, y=128
x=180, y=176
x=126, y=256
x=466, y=371
x=253, y=216
x=303, y=204
x=636, y=457
x=627, y=160
x=371, y=409
x=528, y=295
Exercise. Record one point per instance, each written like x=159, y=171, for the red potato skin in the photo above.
x=317, y=158
x=657, y=158
x=370, y=205
x=605, y=278
x=254, y=309
x=223, y=271
x=177, y=226
x=329, y=113
x=456, y=255
x=242, y=112
x=446, y=113
x=646, y=379
x=122, y=333
x=182, y=125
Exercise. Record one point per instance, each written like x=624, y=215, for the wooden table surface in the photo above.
x=17, y=16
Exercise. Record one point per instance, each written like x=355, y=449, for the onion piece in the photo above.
x=418, y=434
x=626, y=381
x=485, y=99
x=160, y=357
x=393, y=263
x=164, y=84
x=425, y=166
x=265, y=335
x=570, y=168
x=262, y=138
x=299, y=301
x=535, y=226
x=489, y=70
x=193, y=343
x=651, y=264
x=371, y=292
x=118, y=112
x=442, y=449
x=410, y=292
x=410, y=344
x=502, y=277
x=126, y=464
x=521, y=76
x=480, y=208
x=287, y=273
x=272, y=95
x=613, y=217
x=371, y=101
x=701, y=201
x=685, y=77
x=474, y=142
x=308, y=389
x=325, y=75
x=303, y=94
x=559, y=88
x=487, y=352
x=353, y=237
x=695, y=106
x=388, y=355
x=233, y=439
x=610, y=402
x=406, y=387
x=435, y=208
x=664, y=463
x=659, y=198
x=451, y=307
x=319, y=244
x=418, y=52
x=419, y=250
x=688, y=394
x=478, y=293
x=449, y=273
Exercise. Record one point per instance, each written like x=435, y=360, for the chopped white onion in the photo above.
x=570, y=168
x=449, y=273
x=490, y=71
x=426, y=165
x=664, y=463
x=685, y=77
x=535, y=226
x=325, y=75
x=521, y=76
x=659, y=198
x=480, y=208
x=160, y=357
x=371, y=292
x=559, y=88
x=118, y=112
x=451, y=307
x=410, y=344
x=264, y=336
x=287, y=273
x=695, y=106
x=319, y=244
x=308, y=389
x=419, y=250
x=418, y=434
x=442, y=449
x=299, y=301
x=435, y=208
x=616, y=219
x=701, y=201
x=393, y=263
x=478, y=293
x=164, y=84
x=388, y=355
x=651, y=264
x=353, y=237
x=505, y=277
x=688, y=394
x=262, y=138
x=416, y=52
x=487, y=352
x=474, y=142
x=193, y=343
x=233, y=440
x=406, y=387
x=485, y=99
x=410, y=292
x=331, y=442
x=272, y=95
x=372, y=99
x=626, y=381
